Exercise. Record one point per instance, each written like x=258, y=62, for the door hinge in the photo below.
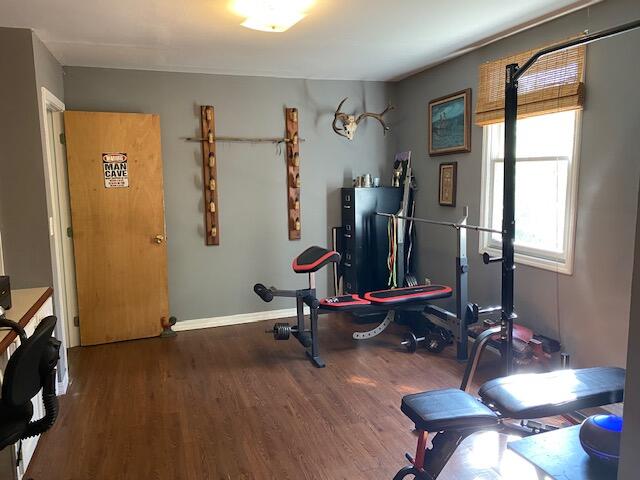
x=69, y=232
x=63, y=139
x=76, y=321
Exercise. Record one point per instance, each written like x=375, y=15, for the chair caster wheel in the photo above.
x=404, y=472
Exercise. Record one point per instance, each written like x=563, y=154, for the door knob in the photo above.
x=158, y=239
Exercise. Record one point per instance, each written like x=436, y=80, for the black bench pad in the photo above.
x=420, y=293
x=313, y=259
x=344, y=302
x=447, y=409
x=545, y=394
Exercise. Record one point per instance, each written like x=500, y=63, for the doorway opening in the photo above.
x=60, y=233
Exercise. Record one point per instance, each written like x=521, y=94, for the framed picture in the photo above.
x=450, y=123
x=448, y=184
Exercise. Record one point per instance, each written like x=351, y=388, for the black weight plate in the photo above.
x=410, y=342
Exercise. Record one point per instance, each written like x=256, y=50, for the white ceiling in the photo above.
x=349, y=39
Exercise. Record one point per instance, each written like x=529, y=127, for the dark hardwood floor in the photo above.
x=231, y=403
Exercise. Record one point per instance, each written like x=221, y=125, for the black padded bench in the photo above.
x=539, y=395
x=525, y=396
x=454, y=414
x=387, y=299
x=313, y=259
x=344, y=302
x=447, y=409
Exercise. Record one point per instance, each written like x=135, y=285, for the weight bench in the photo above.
x=312, y=260
x=382, y=300
x=454, y=414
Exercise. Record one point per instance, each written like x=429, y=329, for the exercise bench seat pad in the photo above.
x=344, y=302
x=447, y=409
x=419, y=293
x=539, y=395
x=313, y=259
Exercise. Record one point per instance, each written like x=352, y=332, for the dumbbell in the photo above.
x=282, y=331
x=434, y=342
x=410, y=341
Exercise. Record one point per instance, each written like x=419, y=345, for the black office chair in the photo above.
x=32, y=367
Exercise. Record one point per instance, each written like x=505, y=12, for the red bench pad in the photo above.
x=344, y=302
x=420, y=293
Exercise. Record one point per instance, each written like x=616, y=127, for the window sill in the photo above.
x=566, y=268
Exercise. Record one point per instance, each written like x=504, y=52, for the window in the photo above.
x=546, y=189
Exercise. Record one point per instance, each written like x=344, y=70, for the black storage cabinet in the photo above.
x=366, y=241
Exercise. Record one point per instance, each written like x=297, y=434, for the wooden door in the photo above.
x=117, y=214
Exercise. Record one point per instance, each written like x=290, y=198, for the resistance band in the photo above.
x=392, y=259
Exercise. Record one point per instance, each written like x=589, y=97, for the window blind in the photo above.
x=553, y=84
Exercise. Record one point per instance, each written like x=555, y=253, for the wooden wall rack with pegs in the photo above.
x=210, y=175
x=293, y=173
x=209, y=170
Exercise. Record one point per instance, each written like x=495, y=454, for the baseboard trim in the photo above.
x=238, y=319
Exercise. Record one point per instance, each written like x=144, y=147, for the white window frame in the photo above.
x=526, y=255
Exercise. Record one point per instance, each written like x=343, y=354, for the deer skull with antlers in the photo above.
x=350, y=122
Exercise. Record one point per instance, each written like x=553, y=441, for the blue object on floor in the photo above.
x=600, y=437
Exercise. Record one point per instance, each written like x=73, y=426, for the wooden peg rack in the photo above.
x=210, y=175
x=293, y=173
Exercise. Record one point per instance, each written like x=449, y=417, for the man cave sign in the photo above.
x=114, y=166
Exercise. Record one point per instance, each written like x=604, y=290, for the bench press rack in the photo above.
x=457, y=323
x=417, y=298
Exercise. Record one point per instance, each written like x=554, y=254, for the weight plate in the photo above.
x=281, y=331
x=434, y=343
x=410, y=342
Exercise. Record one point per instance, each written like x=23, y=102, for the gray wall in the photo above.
x=23, y=209
x=630, y=463
x=48, y=75
x=49, y=72
x=215, y=281
x=588, y=311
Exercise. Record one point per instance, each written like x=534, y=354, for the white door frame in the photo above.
x=57, y=187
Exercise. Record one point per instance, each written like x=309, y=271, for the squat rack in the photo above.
x=513, y=74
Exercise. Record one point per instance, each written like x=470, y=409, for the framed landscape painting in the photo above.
x=450, y=123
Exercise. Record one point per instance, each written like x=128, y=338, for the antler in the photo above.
x=338, y=115
x=377, y=116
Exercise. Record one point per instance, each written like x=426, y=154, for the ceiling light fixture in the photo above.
x=271, y=15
